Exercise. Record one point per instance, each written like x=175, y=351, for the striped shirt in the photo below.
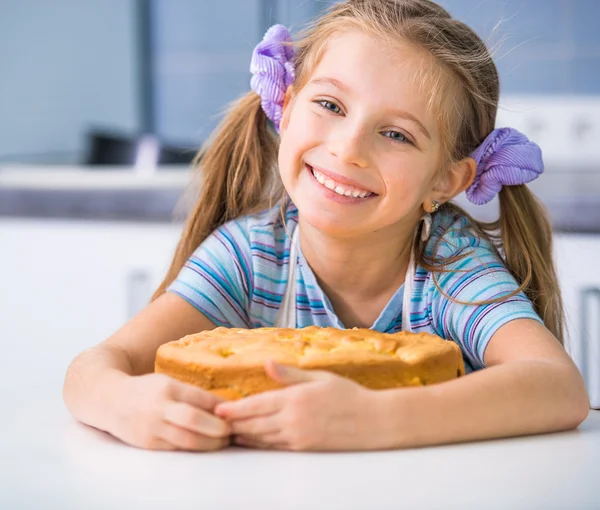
x=237, y=278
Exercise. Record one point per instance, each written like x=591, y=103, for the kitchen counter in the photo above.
x=47, y=460
x=92, y=193
x=54, y=463
x=572, y=197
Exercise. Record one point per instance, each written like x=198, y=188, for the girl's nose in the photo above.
x=349, y=146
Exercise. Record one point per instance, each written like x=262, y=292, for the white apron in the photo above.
x=286, y=316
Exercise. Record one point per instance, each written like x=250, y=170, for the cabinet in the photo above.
x=67, y=285
x=579, y=275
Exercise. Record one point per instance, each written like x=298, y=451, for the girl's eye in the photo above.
x=334, y=108
x=328, y=105
x=396, y=136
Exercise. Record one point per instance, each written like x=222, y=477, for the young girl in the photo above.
x=384, y=111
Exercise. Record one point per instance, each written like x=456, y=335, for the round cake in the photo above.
x=230, y=361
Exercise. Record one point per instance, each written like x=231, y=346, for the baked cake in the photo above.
x=230, y=361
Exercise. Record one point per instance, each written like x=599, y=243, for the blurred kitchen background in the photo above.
x=103, y=104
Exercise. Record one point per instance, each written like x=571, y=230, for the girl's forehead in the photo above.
x=371, y=69
x=363, y=56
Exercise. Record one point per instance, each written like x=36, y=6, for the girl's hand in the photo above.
x=318, y=411
x=161, y=413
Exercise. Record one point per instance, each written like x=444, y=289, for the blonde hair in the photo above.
x=239, y=162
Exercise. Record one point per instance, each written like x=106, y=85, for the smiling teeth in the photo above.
x=340, y=189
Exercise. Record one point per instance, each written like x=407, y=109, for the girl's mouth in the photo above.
x=339, y=188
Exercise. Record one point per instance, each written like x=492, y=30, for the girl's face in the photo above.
x=359, y=149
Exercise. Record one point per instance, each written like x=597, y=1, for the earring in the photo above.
x=435, y=206
x=426, y=230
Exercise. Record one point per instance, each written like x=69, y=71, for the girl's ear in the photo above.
x=287, y=110
x=459, y=177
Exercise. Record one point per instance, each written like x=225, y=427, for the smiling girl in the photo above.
x=326, y=201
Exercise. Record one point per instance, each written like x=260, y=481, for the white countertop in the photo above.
x=93, y=177
x=49, y=461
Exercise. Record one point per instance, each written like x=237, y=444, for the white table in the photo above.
x=48, y=461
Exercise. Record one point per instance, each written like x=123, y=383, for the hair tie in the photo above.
x=273, y=71
x=505, y=158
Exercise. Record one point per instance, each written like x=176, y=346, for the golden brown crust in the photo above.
x=230, y=361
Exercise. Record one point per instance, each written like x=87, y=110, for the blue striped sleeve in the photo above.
x=217, y=279
x=472, y=300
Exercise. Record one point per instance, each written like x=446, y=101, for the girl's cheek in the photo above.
x=308, y=119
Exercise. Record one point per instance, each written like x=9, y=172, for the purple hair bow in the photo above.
x=505, y=158
x=273, y=71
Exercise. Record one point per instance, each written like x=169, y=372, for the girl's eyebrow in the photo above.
x=409, y=116
x=332, y=81
x=396, y=113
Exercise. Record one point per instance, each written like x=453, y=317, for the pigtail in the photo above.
x=238, y=177
x=527, y=245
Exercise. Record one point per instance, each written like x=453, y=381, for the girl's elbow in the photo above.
x=578, y=407
x=581, y=409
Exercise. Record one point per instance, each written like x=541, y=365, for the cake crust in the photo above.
x=230, y=361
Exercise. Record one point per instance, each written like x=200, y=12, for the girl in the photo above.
x=385, y=111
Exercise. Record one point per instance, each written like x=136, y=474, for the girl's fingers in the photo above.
x=158, y=444
x=263, y=404
x=184, y=439
x=288, y=375
x=250, y=442
x=195, y=420
x=266, y=442
x=256, y=426
x=195, y=396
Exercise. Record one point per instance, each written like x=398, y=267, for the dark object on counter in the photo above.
x=143, y=205
x=106, y=148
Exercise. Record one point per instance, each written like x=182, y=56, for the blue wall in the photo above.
x=68, y=65
x=547, y=46
x=204, y=48
x=65, y=66
x=203, y=51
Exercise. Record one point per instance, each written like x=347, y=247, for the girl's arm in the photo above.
x=99, y=389
x=530, y=386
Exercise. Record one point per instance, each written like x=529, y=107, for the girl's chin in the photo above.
x=326, y=221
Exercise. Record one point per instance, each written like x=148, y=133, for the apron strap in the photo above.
x=409, y=279
x=286, y=315
x=408, y=288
